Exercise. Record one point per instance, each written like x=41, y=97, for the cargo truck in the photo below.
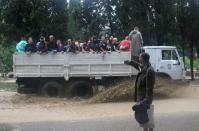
x=80, y=74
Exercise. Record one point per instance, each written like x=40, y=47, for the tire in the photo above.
x=26, y=90
x=80, y=88
x=52, y=89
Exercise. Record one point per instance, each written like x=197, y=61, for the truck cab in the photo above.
x=166, y=60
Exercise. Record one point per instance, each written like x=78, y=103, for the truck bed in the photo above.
x=68, y=65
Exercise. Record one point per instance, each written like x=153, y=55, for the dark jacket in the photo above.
x=94, y=46
x=30, y=48
x=41, y=46
x=144, y=83
x=73, y=48
x=52, y=46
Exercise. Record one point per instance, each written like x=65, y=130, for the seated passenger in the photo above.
x=77, y=43
x=20, y=47
x=81, y=44
x=41, y=45
x=114, y=45
x=73, y=48
x=30, y=47
x=94, y=45
x=67, y=45
x=125, y=44
x=103, y=45
x=110, y=40
x=86, y=46
x=52, y=45
x=60, y=46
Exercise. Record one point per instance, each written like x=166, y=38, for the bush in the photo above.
x=5, y=56
x=195, y=63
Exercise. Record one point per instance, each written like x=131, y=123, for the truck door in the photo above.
x=171, y=64
x=177, y=65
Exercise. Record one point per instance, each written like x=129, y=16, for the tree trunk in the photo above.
x=197, y=49
x=183, y=52
x=191, y=61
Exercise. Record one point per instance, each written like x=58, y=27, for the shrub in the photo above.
x=5, y=56
x=195, y=63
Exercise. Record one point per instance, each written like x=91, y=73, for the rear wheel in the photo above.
x=52, y=89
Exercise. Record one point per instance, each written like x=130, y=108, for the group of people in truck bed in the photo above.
x=92, y=45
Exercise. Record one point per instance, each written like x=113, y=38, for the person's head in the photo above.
x=76, y=43
x=42, y=39
x=73, y=42
x=30, y=40
x=69, y=41
x=111, y=38
x=127, y=38
x=136, y=28
x=144, y=58
x=58, y=42
x=51, y=37
x=115, y=40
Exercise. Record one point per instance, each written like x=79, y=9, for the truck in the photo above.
x=81, y=74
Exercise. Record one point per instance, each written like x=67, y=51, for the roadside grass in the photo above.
x=195, y=63
x=8, y=87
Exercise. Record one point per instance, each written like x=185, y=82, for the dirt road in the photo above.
x=15, y=108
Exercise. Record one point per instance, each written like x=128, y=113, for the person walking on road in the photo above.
x=144, y=86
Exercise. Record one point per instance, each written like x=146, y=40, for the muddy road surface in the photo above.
x=24, y=112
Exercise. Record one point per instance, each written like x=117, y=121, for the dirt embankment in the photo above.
x=124, y=91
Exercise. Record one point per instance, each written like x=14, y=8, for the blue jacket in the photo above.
x=21, y=46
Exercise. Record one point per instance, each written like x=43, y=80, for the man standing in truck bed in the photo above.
x=136, y=42
x=144, y=86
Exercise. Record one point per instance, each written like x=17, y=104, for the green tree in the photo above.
x=33, y=18
x=5, y=56
x=165, y=22
x=188, y=19
x=92, y=22
x=74, y=15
